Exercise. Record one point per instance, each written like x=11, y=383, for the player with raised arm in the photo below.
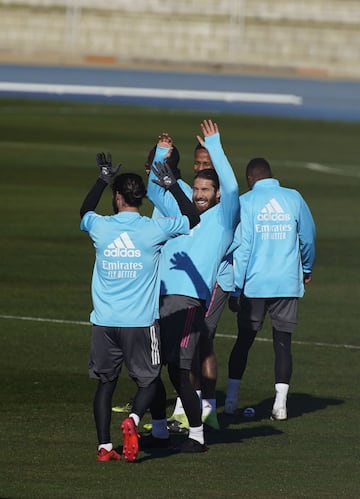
x=205, y=380
x=125, y=290
x=188, y=274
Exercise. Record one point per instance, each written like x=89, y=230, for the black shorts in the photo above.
x=216, y=306
x=283, y=313
x=137, y=347
x=181, y=322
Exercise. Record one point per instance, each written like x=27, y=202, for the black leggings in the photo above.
x=283, y=357
x=282, y=349
x=180, y=378
x=103, y=405
x=239, y=353
x=102, y=410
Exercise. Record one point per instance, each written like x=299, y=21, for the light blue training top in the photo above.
x=125, y=284
x=190, y=263
x=276, y=239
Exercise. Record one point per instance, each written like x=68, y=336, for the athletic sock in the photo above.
x=159, y=428
x=232, y=390
x=107, y=447
x=135, y=418
x=197, y=433
x=281, y=391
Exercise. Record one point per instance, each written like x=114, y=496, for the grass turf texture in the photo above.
x=47, y=431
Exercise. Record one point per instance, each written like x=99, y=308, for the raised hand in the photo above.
x=208, y=128
x=181, y=261
x=164, y=140
x=107, y=171
x=165, y=176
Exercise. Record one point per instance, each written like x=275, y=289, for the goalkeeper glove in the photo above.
x=165, y=176
x=107, y=171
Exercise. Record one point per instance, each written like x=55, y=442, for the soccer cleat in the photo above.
x=279, y=414
x=211, y=420
x=191, y=446
x=151, y=442
x=131, y=440
x=108, y=455
x=177, y=427
x=230, y=407
x=178, y=423
x=122, y=408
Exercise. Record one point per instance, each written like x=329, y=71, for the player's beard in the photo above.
x=209, y=203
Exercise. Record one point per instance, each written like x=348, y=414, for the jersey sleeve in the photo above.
x=173, y=226
x=307, y=236
x=164, y=202
x=243, y=246
x=161, y=199
x=88, y=220
x=229, y=191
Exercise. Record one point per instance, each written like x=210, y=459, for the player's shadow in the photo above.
x=298, y=404
x=181, y=261
x=238, y=435
x=224, y=436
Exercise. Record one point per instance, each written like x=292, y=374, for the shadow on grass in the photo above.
x=298, y=404
x=224, y=436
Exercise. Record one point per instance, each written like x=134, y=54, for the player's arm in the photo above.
x=107, y=174
x=307, y=238
x=160, y=197
x=229, y=190
x=242, y=253
x=167, y=181
x=93, y=197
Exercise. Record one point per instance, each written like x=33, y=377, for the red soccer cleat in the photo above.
x=108, y=455
x=131, y=440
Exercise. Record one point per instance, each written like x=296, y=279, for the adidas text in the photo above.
x=273, y=217
x=123, y=252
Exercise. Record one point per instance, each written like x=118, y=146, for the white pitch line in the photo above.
x=159, y=93
x=219, y=335
x=317, y=167
x=297, y=342
x=44, y=319
x=347, y=170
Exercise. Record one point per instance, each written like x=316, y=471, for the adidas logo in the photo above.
x=273, y=212
x=122, y=246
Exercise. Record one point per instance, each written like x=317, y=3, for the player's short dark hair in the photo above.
x=173, y=161
x=259, y=168
x=209, y=174
x=199, y=146
x=132, y=188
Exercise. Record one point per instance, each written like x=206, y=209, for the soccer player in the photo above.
x=125, y=294
x=188, y=275
x=202, y=159
x=272, y=263
x=205, y=377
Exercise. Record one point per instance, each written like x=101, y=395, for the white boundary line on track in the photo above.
x=85, y=323
x=159, y=93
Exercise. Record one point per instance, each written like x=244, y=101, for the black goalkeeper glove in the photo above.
x=165, y=176
x=234, y=303
x=107, y=171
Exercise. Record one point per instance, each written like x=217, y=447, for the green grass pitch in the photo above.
x=48, y=440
